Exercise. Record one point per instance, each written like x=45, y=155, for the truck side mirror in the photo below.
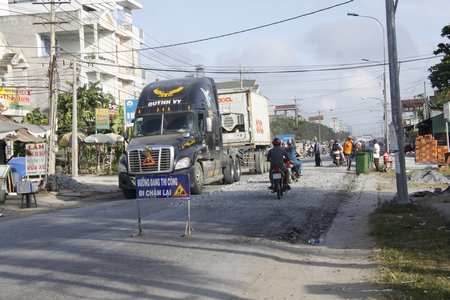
x=208, y=124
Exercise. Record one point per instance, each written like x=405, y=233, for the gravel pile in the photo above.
x=64, y=182
x=428, y=176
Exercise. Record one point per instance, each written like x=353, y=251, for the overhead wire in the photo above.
x=286, y=71
x=249, y=29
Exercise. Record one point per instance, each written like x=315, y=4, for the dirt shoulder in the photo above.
x=89, y=189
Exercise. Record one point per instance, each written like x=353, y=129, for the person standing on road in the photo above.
x=376, y=156
x=317, y=151
x=276, y=157
x=348, y=151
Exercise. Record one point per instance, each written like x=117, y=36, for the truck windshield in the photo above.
x=164, y=124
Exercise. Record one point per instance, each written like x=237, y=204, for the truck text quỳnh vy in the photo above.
x=177, y=130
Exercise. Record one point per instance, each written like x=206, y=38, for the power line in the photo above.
x=249, y=29
x=286, y=71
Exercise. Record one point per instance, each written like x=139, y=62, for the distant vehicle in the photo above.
x=408, y=148
x=286, y=137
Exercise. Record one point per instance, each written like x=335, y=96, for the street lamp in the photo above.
x=384, y=114
x=386, y=129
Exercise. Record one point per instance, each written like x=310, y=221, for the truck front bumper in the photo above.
x=128, y=182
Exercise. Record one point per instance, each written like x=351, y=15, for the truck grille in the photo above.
x=160, y=160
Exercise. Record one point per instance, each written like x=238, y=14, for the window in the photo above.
x=45, y=45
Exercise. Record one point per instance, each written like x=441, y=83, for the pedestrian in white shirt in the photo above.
x=376, y=155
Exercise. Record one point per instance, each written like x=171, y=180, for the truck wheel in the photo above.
x=237, y=170
x=129, y=194
x=197, y=187
x=228, y=173
x=259, y=163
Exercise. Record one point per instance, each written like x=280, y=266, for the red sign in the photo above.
x=315, y=118
x=259, y=127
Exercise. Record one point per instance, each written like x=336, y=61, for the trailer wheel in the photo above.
x=228, y=173
x=259, y=163
x=237, y=170
x=197, y=187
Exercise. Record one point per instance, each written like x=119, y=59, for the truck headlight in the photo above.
x=183, y=163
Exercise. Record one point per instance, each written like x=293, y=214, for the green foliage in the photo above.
x=305, y=130
x=88, y=99
x=36, y=117
x=440, y=98
x=413, y=251
x=118, y=121
x=440, y=73
x=410, y=136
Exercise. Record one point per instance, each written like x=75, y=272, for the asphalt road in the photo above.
x=246, y=245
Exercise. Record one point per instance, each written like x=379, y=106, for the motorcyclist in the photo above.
x=276, y=157
x=293, y=157
x=336, y=147
x=311, y=150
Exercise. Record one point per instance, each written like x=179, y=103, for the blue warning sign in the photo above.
x=162, y=186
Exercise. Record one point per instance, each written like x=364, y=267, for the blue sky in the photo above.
x=328, y=39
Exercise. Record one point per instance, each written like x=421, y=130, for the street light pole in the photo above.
x=383, y=131
x=386, y=129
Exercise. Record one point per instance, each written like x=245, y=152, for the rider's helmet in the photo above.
x=336, y=141
x=276, y=142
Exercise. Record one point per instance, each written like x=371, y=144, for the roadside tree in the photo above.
x=440, y=73
x=89, y=98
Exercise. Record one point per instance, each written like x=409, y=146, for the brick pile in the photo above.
x=427, y=150
x=441, y=150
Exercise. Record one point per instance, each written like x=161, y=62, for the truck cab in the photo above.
x=177, y=130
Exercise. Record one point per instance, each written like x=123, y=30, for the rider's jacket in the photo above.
x=276, y=156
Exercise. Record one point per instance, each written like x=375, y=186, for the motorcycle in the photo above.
x=311, y=151
x=278, y=182
x=338, y=158
x=293, y=172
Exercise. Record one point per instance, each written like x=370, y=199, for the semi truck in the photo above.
x=181, y=126
x=246, y=127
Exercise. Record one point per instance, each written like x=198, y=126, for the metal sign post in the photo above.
x=163, y=186
x=140, y=232
x=189, y=229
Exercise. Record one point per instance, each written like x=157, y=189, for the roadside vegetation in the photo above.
x=413, y=251
x=305, y=130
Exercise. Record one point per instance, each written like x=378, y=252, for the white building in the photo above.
x=99, y=34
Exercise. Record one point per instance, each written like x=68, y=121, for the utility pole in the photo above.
x=74, y=122
x=53, y=96
x=386, y=130
x=319, y=127
x=400, y=166
x=296, y=112
x=240, y=78
x=426, y=104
